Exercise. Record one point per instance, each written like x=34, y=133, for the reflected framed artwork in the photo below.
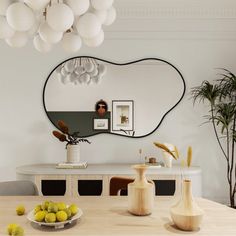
x=100, y=124
x=122, y=115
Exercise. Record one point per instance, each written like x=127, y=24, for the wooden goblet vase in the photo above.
x=140, y=193
x=186, y=214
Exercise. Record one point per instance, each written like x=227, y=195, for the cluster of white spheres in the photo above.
x=81, y=71
x=71, y=22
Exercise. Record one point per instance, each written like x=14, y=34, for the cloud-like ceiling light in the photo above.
x=81, y=71
x=70, y=22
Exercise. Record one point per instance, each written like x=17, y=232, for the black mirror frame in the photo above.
x=120, y=64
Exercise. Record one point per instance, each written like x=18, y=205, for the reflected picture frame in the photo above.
x=122, y=115
x=101, y=124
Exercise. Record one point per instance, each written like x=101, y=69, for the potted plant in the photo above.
x=72, y=140
x=221, y=96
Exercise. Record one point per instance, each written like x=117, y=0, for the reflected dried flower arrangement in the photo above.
x=66, y=136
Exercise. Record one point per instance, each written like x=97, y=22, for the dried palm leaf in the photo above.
x=165, y=148
x=59, y=135
x=63, y=127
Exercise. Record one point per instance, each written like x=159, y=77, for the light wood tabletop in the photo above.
x=109, y=216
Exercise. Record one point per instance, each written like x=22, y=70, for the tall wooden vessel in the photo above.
x=186, y=214
x=140, y=193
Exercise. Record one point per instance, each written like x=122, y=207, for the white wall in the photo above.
x=195, y=36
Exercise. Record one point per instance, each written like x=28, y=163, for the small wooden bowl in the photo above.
x=152, y=160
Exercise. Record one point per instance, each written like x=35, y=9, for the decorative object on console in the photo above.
x=67, y=165
x=169, y=152
x=52, y=21
x=186, y=214
x=221, y=98
x=122, y=115
x=101, y=107
x=140, y=193
x=167, y=157
x=152, y=162
x=73, y=149
x=81, y=71
x=101, y=124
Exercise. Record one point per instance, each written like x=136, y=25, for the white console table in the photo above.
x=104, y=172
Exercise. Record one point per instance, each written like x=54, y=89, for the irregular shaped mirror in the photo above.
x=96, y=96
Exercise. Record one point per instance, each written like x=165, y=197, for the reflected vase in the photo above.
x=73, y=153
x=186, y=214
x=140, y=193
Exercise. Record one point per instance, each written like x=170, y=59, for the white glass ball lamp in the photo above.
x=64, y=72
x=88, y=66
x=96, y=41
x=111, y=16
x=4, y=4
x=94, y=72
x=41, y=45
x=102, y=69
x=79, y=70
x=101, y=15
x=61, y=77
x=95, y=79
x=66, y=79
x=18, y=40
x=48, y=34
x=34, y=29
x=37, y=5
x=71, y=42
x=73, y=77
x=60, y=17
x=20, y=17
x=79, y=7
x=5, y=30
x=85, y=78
x=70, y=66
x=88, y=25
x=101, y=4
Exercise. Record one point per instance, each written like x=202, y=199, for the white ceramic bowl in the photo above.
x=56, y=225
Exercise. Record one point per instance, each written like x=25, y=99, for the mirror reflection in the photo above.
x=96, y=96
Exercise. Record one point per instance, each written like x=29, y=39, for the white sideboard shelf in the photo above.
x=104, y=172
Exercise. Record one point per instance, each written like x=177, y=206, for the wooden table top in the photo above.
x=109, y=216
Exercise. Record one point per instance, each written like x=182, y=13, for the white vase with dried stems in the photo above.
x=72, y=141
x=171, y=152
x=167, y=157
x=73, y=153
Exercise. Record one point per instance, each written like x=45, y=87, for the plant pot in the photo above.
x=73, y=153
x=186, y=214
x=140, y=193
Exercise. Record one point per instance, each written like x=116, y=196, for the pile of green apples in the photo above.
x=51, y=212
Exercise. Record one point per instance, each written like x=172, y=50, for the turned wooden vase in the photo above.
x=186, y=214
x=140, y=193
